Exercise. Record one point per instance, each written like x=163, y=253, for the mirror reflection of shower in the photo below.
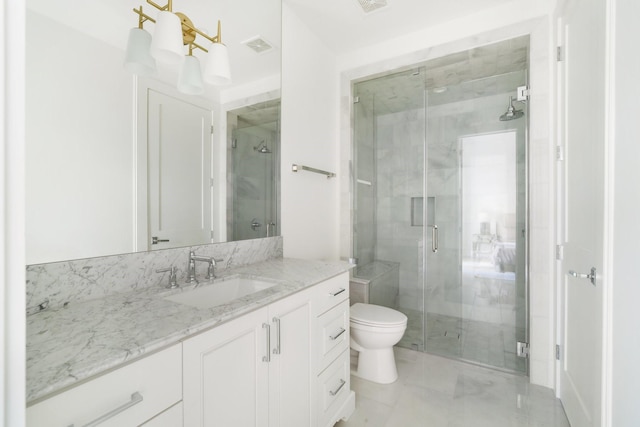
x=262, y=148
x=253, y=171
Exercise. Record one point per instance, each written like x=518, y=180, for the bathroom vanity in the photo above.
x=274, y=357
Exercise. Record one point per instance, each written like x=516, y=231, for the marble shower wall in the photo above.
x=83, y=279
x=400, y=177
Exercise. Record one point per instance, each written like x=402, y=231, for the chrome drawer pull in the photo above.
x=338, y=293
x=335, y=337
x=277, y=349
x=267, y=358
x=135, y=399
x=336, y=391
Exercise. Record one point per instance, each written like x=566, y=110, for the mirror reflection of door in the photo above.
x=179, y=171
x=253, y=174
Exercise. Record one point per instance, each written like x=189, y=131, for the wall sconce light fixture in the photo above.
x=173, y=31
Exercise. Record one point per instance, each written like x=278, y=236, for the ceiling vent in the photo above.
x=372, y=5
x=258, y=44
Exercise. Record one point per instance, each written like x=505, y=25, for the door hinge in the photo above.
x=557, y=351
x=523, y=93
x=559, y=153
x=212, y=235
x=211, y=129
x=559, y=54
x=356, y=99
x=559, y=252
x=210, y=182
x=522, y=349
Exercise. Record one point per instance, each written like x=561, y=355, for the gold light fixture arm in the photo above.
x=188, y=29
x=143, y=17
x=167, y=7
x=215, y=39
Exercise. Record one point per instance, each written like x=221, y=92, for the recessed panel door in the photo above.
x=582, y=81
x=179, y=156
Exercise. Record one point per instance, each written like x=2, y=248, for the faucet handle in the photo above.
x=173, y=282
x=211, y=268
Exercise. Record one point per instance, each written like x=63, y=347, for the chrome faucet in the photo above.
x=191, y=276
x=173, y=282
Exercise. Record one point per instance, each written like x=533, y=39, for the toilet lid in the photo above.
x=370, y=314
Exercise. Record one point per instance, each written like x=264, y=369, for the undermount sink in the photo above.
x=220, y=292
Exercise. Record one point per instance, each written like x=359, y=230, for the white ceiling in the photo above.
x=344, y=27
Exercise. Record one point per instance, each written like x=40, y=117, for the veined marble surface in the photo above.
x=84, y=279
x=85, y=338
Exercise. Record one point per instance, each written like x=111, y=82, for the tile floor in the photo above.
x=433, y=391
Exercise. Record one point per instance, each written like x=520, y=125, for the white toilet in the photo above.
x=374, y=332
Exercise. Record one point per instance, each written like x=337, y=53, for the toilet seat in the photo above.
x=375, y=315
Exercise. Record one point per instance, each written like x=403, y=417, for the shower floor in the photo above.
x=472, y=340
x=474, y=322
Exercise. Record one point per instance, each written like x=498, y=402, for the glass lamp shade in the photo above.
x=190, y=77
x=167, y=45
x=216, y=69
x=137, y=59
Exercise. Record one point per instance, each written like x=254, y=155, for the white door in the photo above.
x=179, y=168
x=582, y=111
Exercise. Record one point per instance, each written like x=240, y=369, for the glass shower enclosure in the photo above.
x=253, y=171
x=440, y=201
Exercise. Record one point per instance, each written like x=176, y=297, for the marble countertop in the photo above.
x=81, y=340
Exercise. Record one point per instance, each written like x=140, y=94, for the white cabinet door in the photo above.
x=290, y=365
x=226, y=376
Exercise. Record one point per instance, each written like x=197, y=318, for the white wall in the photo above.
x=79, y=151
x=12, y=272
x=309, y=137
x=625, y=378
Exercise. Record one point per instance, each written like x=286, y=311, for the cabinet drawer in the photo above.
x=172, y=417
x=157, y=379
x=333, y=333
x=333, y=388
x=332, y=292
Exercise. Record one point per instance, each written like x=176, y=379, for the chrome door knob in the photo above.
x=591, y=276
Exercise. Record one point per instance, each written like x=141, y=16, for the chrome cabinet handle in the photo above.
x=434, y=238
x=135, y=399
x=336, y=391
x=335, y=337
x=338, y=293
x=267, y=358
x=591, y=276
x=277, y=322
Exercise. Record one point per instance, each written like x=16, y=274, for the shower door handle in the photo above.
x=434, y=238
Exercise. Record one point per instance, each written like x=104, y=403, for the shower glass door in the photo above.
x=475, y=289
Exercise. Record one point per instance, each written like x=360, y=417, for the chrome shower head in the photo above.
x=511, y=113
x=262, y=148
